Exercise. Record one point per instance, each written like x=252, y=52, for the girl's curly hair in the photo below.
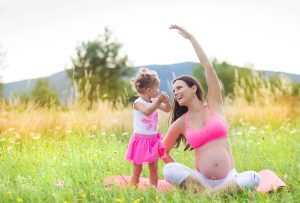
x=144, y=79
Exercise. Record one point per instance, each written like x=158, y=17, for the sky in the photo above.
x=39, y=37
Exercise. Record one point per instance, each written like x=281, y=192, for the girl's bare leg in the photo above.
x=153, y=173
x=136, y=173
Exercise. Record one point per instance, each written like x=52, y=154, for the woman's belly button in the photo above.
x=214, y=165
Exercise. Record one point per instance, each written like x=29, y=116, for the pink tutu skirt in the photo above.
x=145, y=148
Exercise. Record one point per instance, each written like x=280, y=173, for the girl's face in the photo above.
x=153, y=93
x=182, y=92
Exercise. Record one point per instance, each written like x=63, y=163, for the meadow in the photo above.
x=63, y=154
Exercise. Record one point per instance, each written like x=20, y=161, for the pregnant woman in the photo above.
x=202, y=124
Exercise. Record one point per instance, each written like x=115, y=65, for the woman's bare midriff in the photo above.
x=214, y=160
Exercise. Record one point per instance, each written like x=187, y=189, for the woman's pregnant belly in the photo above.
x=214, y=162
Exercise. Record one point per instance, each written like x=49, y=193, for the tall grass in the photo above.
x=258, y=101
x=32, y=119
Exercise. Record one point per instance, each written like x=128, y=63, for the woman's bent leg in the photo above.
x=182, y=176
x=248, y=179
x=176, y=173
x=244, y=180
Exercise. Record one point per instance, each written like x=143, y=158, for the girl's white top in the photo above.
x=146, y=125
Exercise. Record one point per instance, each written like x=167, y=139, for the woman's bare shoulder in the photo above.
x=179, y=124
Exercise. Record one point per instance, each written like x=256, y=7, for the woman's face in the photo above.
x=182, y=92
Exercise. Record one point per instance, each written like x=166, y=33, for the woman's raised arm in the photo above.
x=214, y=94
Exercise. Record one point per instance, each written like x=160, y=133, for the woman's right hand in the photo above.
x=182, y=31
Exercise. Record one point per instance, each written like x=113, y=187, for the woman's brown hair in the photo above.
x=178, y=111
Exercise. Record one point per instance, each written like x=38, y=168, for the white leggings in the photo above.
x=176, y=173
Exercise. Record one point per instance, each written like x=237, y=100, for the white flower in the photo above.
x=18, y=136
x=10, y=129
x=59, y=184
x=286, y=176
x=36, y=136
x=92, y=136
x=294, y=131
x=68, y=132
x=94, y=127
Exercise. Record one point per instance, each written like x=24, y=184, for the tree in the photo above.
x=43, y=95
x=99, y=69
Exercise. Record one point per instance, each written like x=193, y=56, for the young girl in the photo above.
x=145, y=145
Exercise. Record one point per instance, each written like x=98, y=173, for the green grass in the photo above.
x=33, y=170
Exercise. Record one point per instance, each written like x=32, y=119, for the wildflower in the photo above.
x=136, y=201
x=124, y=134
x=19, y=199
x=68, y=132
x=239, y=133
x=2, y=139
x=59, y=184
x=57, y=128
x=294, y=132
x=120, y=200
x=10, y=129
x=92, y=136
x=286, y=176
x=94, y=127
x=36, y=136
x=18, y=136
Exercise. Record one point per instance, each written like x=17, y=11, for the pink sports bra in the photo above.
x=215, y=128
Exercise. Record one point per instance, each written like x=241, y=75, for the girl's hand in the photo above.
x=166, y=99
x=182, y=31
x=163, y=97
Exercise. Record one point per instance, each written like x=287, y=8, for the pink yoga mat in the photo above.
x=124, y=181
x=269, y=182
